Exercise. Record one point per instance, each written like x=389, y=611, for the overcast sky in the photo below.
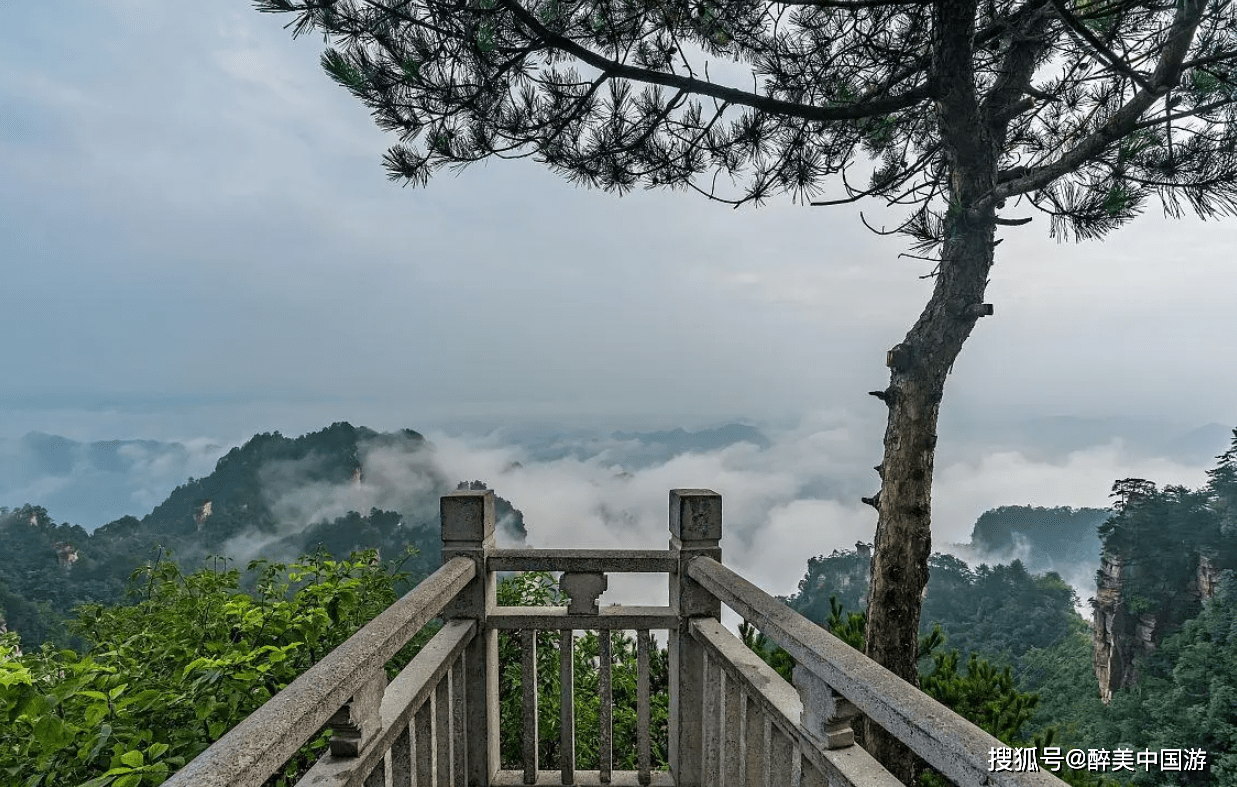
x=197, y=239
x=195, y=225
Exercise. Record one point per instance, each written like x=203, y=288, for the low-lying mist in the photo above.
x=790, y=491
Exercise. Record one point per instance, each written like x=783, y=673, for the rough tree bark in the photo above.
x=973, y=134
x=919, y=365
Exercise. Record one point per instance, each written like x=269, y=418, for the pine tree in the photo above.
x=953, y=110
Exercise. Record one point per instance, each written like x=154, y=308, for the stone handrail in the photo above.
x=733, y=721
x=261, y=744
x=426, y=698
x=761, y=717
x=945, y=740
x=583, y=579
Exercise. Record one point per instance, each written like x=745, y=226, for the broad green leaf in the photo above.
x=96, y=713
x=105, y=734
x=51, y=733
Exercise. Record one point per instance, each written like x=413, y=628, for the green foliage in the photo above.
x=1003, y=611
x=981, y=693
x=768, y=650
x=38, y=593
x=148, y=685
x=1186, y=697
x=1222, y=493
x=165, y=677
x=850, y=627
x=1063, y=676
x=1159, y=535
x=997, y=612
x=539, y=589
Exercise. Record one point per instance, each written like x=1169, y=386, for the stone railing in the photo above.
x=732, y=719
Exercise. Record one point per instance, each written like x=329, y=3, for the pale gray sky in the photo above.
x=197, y=240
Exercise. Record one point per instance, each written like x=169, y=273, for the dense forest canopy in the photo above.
x=1168, y=540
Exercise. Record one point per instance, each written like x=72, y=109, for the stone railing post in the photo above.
x=827, y=715
x=358, y=721
x=695, y=531
x=468, y=531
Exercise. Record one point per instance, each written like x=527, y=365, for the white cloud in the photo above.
x=238, y=255
x=1082, y=478
x=791, y=501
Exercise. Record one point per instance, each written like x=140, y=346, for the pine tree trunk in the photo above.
x=918, y=368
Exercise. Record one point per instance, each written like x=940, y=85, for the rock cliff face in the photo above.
x=1164, y=552
x=1122, y=634
x=201, y=512
x=1207, y=577
x=66, y=555
x=1109, y=627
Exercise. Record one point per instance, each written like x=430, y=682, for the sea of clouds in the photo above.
x=790, y=490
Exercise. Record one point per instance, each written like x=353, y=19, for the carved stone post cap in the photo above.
x=696, y=515
x=583, y=588
x=467, y=515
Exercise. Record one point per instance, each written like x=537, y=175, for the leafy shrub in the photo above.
x=167, y=676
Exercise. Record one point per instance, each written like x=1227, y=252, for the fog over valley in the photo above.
x=250, y=345
x=791, y=491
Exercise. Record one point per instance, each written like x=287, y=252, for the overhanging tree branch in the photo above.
x=1006, y=100
x=872, y=108
x=1102, y=54
x=1166, y=74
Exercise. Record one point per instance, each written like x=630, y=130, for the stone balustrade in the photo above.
x=732, y=719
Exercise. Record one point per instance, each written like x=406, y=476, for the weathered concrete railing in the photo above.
x=348, y=689
x=583, y=580
x=801, y=735
x=732, y=719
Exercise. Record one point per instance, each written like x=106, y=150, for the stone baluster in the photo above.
x=358, y=721
x=695, y=531
x=827, y=715
x=468, y=531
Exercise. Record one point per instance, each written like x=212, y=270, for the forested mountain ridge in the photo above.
x=1164, y=636
x=1011, y=596
x=1045, y=539
x=1164, y=553
x=999, y=612
x=343, y=488
x=1157, y=556
x=281, y=496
